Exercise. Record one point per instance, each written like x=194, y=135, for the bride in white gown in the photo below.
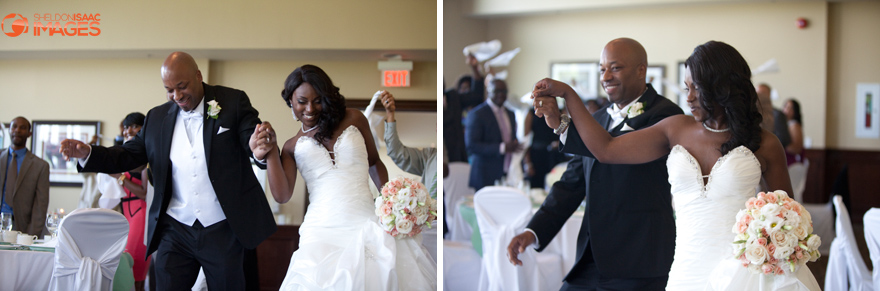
x=717, y=158
x=341, y=246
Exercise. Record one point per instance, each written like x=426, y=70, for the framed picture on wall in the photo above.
x=654, y=75
x=46, y=143
x=682, y=95
x=4, y=135
x=582, y=76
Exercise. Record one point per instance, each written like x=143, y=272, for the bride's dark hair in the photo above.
x=332, y=103
x=723, y=80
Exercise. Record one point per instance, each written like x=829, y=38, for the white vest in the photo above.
x=193, y=195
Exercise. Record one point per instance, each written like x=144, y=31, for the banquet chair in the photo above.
x=90, y=243
x=461, y=266
x=502, y=213
x=822, y=215
x=798, y=174
x=455, y=190
x=123, y=280
x=846, y=269
x=872, y=237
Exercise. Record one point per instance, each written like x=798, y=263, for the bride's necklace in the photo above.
x=711, y=129
x=303, y=126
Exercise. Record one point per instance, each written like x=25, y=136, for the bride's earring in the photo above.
x=294, y=115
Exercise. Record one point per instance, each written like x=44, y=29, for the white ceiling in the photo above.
x=228, y=54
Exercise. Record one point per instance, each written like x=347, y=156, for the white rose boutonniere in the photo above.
x=634, y=110
x=213, y=109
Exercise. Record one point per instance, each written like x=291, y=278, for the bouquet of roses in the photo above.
x=774, y=234
x=404, y=207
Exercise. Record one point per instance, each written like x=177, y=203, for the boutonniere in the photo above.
x=634, y=110
x=213, y=109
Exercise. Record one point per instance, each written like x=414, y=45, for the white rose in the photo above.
x=783, y=252
x=813, y=242
x=213, y=108
x=403, y=194
x=791, y=218
x=756, y=254
x=404, y=226
x=377, y=205
x=421, y=214
x=800, y=231
x=770, y=209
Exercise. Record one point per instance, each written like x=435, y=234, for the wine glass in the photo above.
x=6, y=221
x=52, y=221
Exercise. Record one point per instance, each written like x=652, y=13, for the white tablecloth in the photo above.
x=25, y=270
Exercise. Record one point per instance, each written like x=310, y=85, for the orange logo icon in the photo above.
x=17, y=26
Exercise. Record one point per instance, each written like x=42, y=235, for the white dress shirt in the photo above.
x=192, y=193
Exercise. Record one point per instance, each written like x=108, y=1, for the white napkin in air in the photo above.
x=483, y=50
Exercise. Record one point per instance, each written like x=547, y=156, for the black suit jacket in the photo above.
x=453, y=131
x=483, y=139
x=628, y=222
x=228, y=158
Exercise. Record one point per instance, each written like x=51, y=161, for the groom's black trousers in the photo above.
x=585, y=276
x=183, y=249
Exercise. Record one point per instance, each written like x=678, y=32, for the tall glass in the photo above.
x=52, y=221
x=6, y=221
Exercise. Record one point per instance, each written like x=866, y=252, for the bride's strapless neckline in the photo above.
x=704, y=185
x=335, y=151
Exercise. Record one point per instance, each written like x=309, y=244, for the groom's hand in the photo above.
x=518, y=245
x=547, y=107
x=262, y=140
x=71, y=148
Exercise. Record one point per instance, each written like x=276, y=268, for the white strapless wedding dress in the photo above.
x=705, y=215
x=341, y=245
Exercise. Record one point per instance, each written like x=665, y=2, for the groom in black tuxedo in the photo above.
x=627, y=237
x=208, y=206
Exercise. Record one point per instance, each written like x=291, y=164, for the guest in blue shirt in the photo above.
x=25, y=181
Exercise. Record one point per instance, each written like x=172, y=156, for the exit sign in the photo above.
x=395, y=78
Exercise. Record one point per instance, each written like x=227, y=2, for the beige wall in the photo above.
x=458, y=32
x=760, y=31
x=852, y=58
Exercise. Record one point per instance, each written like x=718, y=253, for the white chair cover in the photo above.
x=429, y=240
x=872, y=237
x=456, y=188
x=845, y=264
x=90, y=242
x=502, y=213
x=461, y=266
x=797, y=172
x=823, y=223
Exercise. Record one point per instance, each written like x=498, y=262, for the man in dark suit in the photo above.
x=469, y=92
x=25, y=181
x=490, y=136
x=627, y=236
x=208, y=206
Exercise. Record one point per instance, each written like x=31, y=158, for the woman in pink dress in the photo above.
x=134, y=204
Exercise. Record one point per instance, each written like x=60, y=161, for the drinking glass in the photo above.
x=52, y=221
x=6, y=221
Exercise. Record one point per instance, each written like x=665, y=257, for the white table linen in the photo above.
x=25, y=270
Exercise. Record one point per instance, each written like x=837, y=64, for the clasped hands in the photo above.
x=263, y=141
x=544, y=100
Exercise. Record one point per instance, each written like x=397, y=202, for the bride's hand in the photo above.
x=263, y=140
x=550, y=88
